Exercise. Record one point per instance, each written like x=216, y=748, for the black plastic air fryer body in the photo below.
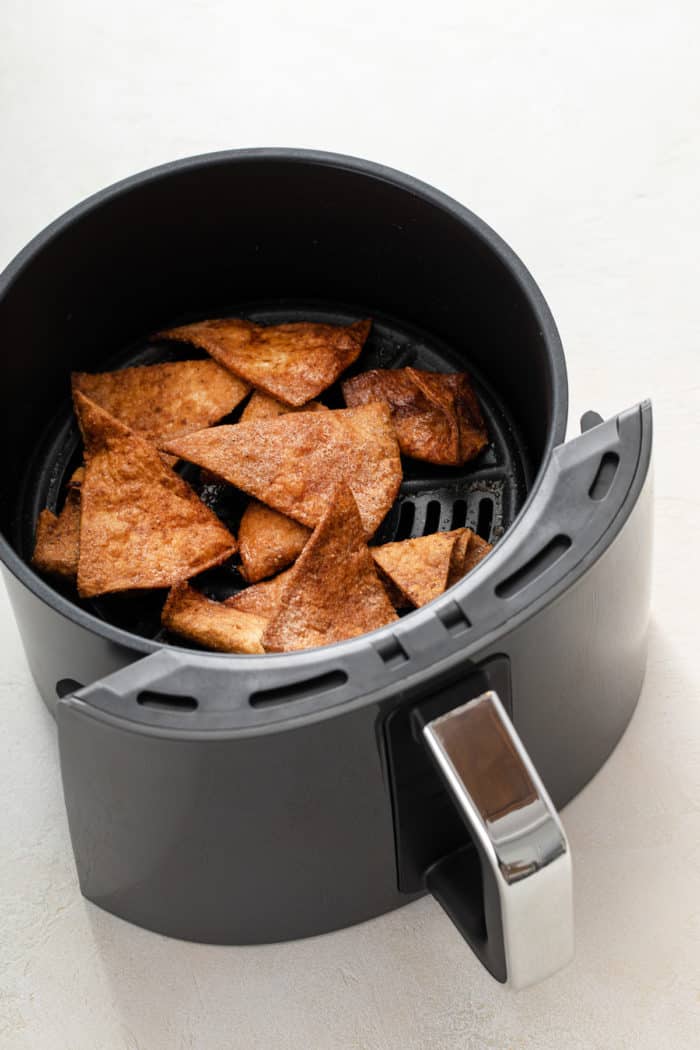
x=242, y=799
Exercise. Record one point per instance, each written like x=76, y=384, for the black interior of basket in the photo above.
x=485, y=495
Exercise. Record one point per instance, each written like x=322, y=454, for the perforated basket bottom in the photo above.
x=486, y=494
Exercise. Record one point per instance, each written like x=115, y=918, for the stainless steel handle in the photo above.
x=514, y=825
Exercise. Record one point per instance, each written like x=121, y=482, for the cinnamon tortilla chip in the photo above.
x=58, y=536
x=291, y=362
x=167, y=400
x=476, y=552
x=294, y=462
x=263, y=599
x=436, y=416
x=419, y=568
x=423, y=430
x=459, y=553
x=268, y=541
x=262, y=406
x=141, y=525
x=468, y=552
x=332, y=591
x=455, y=395
x=214, y=625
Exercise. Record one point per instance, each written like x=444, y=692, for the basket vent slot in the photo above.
x=432, y=517
x=283, y=694
x=459, y=514
x=166, y=701
x=407, y=516
x=485, y=519
x=603, y=480
x=533, y=568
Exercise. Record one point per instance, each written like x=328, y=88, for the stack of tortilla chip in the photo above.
x=437, y=417
x=141, y=525
x=319, y=482
x=293, y=462
x=332, y=592
x=419, y=570
x=268, y=540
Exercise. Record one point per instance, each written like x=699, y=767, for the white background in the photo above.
x=574, y=130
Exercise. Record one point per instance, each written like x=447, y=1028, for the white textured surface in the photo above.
x=573, y=130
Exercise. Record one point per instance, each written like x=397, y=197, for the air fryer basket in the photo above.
x=240, y=799
x=486, y=494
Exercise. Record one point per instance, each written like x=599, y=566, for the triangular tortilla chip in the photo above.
x=268, y=541
x=262, y=406
x=419, y=568
x=214, y=625
x=141, y=525
x=291, y=362
x=454, y=394
x=459, y=553
x=332, y=591
x=294, y=462
x=165, y=401
x=476, y=552
x=468, y=552
x=436, y=416
x=423, y=430
x=58, y=536
x=262, y=599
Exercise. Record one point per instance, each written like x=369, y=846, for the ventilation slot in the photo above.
x=432, y=517
x=459, y=514
x=529, y=572
x=453, y=619
x=605, y=476
x=392, y=652
x=407, y=516
x=485, y=518
x=284, y=694
x=167, y=701
x=66, y=686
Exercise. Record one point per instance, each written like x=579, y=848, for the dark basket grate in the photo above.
x=486, y=494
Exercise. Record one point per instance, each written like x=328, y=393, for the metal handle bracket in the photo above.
x=517, y=832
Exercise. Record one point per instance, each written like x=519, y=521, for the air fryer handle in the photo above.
x=510, y=894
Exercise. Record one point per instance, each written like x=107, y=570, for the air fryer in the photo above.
x=244, y=799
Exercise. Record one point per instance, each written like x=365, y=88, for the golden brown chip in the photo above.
x=455, y=395
x=476, y=551
x=419, y=568
x=436, y=416
x=332, y=591
x=58, y=536
x=165, y=401
x=57, y=540
x=263, y=599
x=214, y=625
x=268, y=541
x=459, y=553
x=262, y=406
x=294, y=462
x=468, y=552
x=141, y=525
x=423, y=430
x=291, y=362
